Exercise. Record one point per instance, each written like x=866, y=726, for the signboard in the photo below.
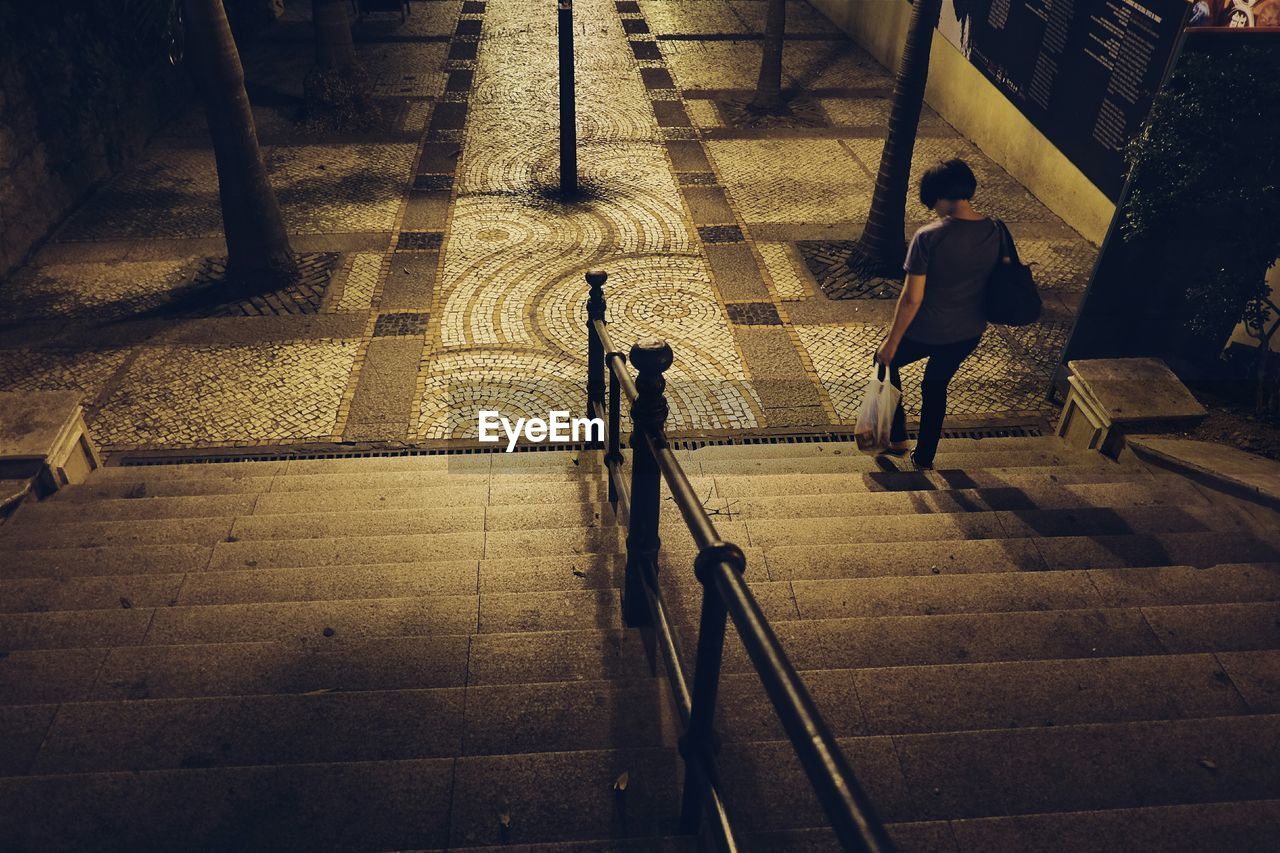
x=1083, y=71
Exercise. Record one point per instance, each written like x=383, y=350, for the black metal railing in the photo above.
x=719, y=567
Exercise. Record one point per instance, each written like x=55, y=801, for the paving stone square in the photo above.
x=99, y=291
x=83, y=370
x=194, y=396
x=700, y=17
x=995, y=381
x=365, y=270
x=792, y=180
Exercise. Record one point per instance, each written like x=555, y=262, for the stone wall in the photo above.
x=964, y=97
x=82, y=87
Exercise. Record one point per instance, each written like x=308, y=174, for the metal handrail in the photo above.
x=719, y=567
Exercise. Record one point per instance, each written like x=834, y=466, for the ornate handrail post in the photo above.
x=699, y=741
x=595, y=347
x=651, y=357
x=613, y=455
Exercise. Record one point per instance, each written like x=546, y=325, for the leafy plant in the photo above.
x=1205, y=188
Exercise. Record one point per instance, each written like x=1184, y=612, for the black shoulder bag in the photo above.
x=1011, y=298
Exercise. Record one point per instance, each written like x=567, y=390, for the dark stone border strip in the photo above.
x=832, y=92
x=747, y=36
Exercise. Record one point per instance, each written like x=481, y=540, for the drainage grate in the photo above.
x=690, y=443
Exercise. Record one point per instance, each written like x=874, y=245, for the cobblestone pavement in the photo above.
x=458, y=283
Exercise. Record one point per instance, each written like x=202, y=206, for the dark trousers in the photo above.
x=944, y=361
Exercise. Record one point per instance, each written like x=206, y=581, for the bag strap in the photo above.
x=1008, y=249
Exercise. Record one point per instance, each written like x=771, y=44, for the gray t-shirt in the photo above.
x=956, y=256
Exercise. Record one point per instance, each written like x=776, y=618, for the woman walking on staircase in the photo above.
x=939, y=315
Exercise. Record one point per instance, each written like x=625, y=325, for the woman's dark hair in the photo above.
x=951, y=180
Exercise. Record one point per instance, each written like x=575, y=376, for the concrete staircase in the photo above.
x=1030, y=648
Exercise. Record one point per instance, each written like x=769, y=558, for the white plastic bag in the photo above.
x=875, y=415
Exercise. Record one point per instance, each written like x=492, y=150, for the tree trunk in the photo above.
x=768, y=98
x=338, y=88
x=883, y=246
x=334, y=46
x=257, y=244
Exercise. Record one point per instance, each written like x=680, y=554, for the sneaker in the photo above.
x=894, y=451
x=923, y=466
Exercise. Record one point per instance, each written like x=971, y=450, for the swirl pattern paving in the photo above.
x=509, y=307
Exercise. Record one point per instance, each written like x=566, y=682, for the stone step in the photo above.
x=861, y=463
x=855, y=503
x=387, y=804
x=110, y=560
x=413, y=804
x=137, y=509
x=992, y=446
x=454, y=463
x=1197, y=828
x=345, y=726
x=574, y=512
x=1003, y=772
x=1071, y=589
x=25, y=535
x=569, y=587
x=774, y=532
x=961, y=556
x=737, y=486
x=862, y=642
x=410, y=512
x=677, y=844
x=505, y=486
x=600, y=535
x=1226, y=826
x=978, y=696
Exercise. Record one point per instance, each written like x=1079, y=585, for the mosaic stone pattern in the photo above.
x=99, y=291
x=703, y=113
x=304, y=295
x=86, y=371
x=366, y=271
x=185, y=396
x=322, y=189
x=753, y=314
x=499, y=312
x=996, y=380
x=828, y=262
x=392, y=325
x=810, y=181
x=780, y=262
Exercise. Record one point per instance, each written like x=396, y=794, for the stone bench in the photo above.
x=1113, y=397
x=43, y=439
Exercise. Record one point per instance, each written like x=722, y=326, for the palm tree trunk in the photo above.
x=334, y=46
x=768, y=98
x=257, y=243
x=883, y=245
x=338, y=88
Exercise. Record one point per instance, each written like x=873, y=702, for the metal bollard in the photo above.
x=568, y=108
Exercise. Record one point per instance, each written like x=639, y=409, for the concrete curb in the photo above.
x=1224, y=469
